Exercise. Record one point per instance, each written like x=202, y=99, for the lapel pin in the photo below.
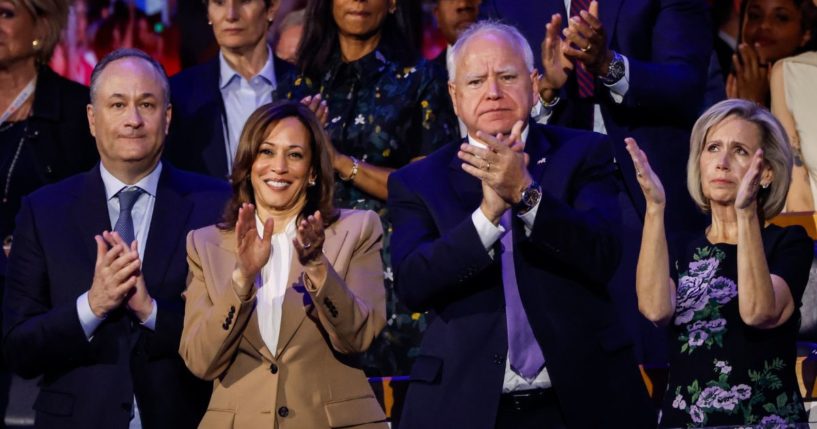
x=542, y=161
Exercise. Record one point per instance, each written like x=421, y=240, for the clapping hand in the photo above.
x=750, y=80
x=317, y=106
x=502, y=168
x=554, y=62
x=309, y=241
x=750, y=184
x=138, y=300
x=588, y=41
x=115, y=274
x=650, y=183
x=252, y=251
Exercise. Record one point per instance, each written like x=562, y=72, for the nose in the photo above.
x=232, y=10
x=723, y=161
x=492, y=91
x=278, y=164
x=134, y=118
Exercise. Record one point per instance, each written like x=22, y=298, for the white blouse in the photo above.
x=272, y=283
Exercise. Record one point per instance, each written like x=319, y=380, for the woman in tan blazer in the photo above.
x=285, y=293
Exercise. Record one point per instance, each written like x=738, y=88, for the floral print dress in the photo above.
x=384, y=113
x=722, y=371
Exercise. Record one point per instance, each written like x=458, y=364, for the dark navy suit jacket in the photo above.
x=91, y=384
x=561, y=268
x=196, y=138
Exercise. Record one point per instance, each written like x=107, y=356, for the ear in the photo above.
x=89, y=110
x=452, y=92
x=767, y=175
x=168, y=116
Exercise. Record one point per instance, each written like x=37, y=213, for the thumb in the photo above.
x=594, y=8
x=269, y=225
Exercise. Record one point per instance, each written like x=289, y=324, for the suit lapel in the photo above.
x=91, y=211
x=296, y=299
x=608, y=12
x=167, y=227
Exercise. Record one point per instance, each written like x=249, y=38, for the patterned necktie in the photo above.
x=584, y=78
x=525, y=355
x=124, y=224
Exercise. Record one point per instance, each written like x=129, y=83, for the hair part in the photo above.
x=129, y=53
x=777, y=153
x=53, y=16
x=509, y=32
x=319, y=197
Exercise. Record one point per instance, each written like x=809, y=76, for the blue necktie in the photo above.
x=124, y=224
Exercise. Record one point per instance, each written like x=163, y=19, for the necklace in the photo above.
x=6, y=126
x=13, y=164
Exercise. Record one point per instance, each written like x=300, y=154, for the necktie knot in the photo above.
x=128, y=196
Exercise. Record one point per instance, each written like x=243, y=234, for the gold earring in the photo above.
x=311, y=182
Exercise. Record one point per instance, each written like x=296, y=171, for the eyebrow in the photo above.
x=272, y=143
x=139, y=97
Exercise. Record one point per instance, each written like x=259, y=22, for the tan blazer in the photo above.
x=313, y=381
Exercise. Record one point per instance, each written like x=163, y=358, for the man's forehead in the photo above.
x=492, y=45
x=130, y=71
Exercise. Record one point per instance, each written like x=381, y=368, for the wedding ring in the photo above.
x=587, y=48
x=307, y=245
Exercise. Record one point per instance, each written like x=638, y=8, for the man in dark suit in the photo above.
x=639, y=70
x=99, y=314
x=523, y=333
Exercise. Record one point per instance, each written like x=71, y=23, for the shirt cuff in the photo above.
x=619, y=89
x=529, y=217
x=487, y=231
x=150, y=322
x=87, y=318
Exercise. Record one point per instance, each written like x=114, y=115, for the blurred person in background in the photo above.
x=43, y=131
x=770, y=31
x=387, y=107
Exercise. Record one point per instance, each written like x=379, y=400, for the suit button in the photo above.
x=273, y=369
x=283, y=411
x=497, y=359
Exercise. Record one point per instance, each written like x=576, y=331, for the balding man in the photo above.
x=509, y=239
x=93, y=295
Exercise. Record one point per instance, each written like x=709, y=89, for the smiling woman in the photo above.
x=284, y=254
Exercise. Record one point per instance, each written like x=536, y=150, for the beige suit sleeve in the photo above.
x=214, y=318
x=352, y=310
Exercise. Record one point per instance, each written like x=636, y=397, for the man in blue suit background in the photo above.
x=509, y=240
x=99, y=314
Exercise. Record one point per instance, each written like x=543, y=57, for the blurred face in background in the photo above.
x=240, y=24
x=454, y=16
x=775, y=27
x=360, y=19
x=17, y=32
x=287, y=46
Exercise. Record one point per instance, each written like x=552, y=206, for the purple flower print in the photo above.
x=703, y=269
x=696, y=414
x=723, y=366
x=708, y=396
x=722, y=290
x=725, y=400
x=696, y=326
x=773, y=421
x=716, y=325
x=679, y=402
x=742, y=391
x=697, y=338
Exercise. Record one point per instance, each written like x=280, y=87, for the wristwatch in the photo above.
x=530, y=198
x=615, y=71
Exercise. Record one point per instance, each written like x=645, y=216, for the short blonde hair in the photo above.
x=53, y=14
x=773, y=140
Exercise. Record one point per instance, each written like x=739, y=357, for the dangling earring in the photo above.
x=393, y=7
x=209, y=22
x=35, y=43
x=311, y=182
x=765, y=185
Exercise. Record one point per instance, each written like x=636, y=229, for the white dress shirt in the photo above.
x=490, y=234
x=241, y=98
x=272, y=283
